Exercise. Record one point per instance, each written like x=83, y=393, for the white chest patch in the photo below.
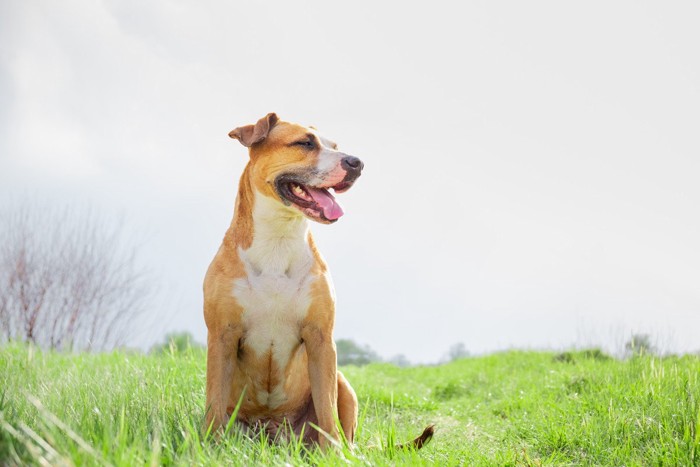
x=274, y=307
x=275, y=294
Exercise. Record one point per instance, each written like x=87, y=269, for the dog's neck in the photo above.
x=280, y=238
x=267, y=236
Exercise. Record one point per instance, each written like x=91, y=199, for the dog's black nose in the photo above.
x=352, y=164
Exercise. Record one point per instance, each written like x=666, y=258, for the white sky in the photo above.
x=531, y=169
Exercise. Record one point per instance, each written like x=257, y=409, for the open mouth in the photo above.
x=316, y=202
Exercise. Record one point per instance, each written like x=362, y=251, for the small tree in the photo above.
x=351, y=353
x=639, y=344
x=400, y=360
x=67, y=279
x=457, y=351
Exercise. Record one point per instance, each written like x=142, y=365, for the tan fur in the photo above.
x=269, y=304
x=235, y=371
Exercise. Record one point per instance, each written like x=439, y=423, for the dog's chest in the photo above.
x=275, y=297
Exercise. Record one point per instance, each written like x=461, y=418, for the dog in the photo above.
x=269, y=303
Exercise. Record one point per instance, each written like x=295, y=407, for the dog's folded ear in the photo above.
x=248, y=135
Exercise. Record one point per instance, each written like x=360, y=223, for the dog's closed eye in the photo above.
x=305, y=143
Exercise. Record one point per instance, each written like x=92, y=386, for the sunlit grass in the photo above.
x=514, y=408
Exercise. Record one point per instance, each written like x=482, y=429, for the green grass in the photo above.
x=513, y=408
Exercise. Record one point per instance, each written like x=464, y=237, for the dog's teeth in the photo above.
x=300, y=192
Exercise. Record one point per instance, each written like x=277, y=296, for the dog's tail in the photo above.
x=421, y=440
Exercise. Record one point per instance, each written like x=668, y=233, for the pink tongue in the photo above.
x=331, y=209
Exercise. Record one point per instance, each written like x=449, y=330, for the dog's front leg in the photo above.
x=222, y=346
x=323, y=374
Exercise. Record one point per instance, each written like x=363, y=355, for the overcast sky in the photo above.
x=531, y=168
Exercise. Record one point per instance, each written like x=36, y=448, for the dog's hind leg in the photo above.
x=347, y=408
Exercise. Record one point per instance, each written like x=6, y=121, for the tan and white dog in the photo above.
x=269, y=303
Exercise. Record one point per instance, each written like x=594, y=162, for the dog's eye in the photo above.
x=305, y=143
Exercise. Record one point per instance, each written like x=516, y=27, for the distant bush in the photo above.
x=565, y=357
x=586, y=354
x=456, y=351
x=175, y=343
x=351, y=353
x=400, y=360
x=595, y=354
x=639, y=345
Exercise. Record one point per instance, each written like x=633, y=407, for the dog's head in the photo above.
x=297, y=166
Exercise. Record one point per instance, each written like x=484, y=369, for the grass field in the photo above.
x=512, y=408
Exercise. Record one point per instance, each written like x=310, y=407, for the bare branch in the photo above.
x=68, y=279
